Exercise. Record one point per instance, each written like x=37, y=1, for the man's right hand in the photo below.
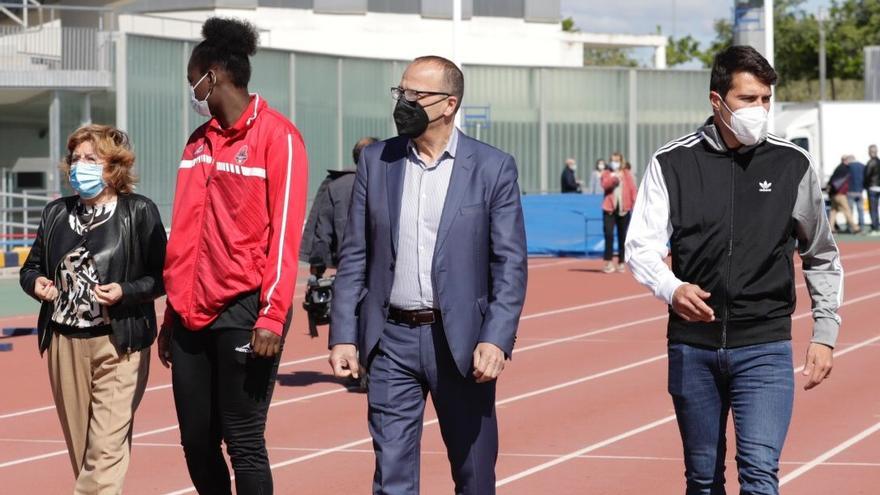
x=45, y=289
x=344, y=361
x=688, y=302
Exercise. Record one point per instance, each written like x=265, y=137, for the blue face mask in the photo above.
x=87, y=179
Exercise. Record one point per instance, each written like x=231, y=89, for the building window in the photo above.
x=288, y=4
x=542, y=11
x=500, y=8
x=442, y=9
x=341, y=6
x=395, y=6
x=30, y=180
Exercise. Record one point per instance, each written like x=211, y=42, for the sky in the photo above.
x=675, y=17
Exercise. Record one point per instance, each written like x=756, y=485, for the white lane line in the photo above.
x=543, y=314
x=63, y=452
x=323, y=357
x=556, y=263
x=667, y=419
x=28, y=411
x=166, y=429
x=500, y=454
x=530, y=394
x=797, y=473
x=363, y=441
x=604, y=443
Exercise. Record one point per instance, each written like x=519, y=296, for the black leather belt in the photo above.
x=413, y=318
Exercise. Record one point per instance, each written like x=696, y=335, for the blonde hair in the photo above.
x=113, y=147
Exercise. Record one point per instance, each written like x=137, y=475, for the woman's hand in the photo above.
x=164, y=346
x=45, y=289
x=265, y=343
x=108, y=295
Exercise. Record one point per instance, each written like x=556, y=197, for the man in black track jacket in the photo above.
x=734, y=203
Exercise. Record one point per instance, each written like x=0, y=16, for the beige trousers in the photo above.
x=96, y=393
x=840, y=203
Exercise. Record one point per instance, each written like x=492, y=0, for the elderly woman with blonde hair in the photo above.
x=96, y=267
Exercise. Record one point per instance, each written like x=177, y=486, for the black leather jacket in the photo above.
x=872, y=173
x=128, y=250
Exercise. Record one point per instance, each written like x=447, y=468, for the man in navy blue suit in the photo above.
x=431, y=284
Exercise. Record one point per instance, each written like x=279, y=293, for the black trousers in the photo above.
x=610, y=220
x=222, y=394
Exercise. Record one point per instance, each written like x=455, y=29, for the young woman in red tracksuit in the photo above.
x=231, y=263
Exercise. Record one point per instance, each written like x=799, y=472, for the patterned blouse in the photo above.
x=77, y=273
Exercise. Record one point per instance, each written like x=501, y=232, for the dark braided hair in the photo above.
x=227, y=43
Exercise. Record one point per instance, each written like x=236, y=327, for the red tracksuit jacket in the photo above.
x=237, y=218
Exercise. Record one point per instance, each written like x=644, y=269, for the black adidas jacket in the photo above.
x=733, y=219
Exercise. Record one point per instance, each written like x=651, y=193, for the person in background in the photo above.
x=838, y=189
x=96, y=267
x=322, y=236
x=872, y=184
x=596, y=178
x=570, y=184
x=620, y=191
x=856, y=194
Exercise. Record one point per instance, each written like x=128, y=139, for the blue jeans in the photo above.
x=757, y=383
x=873, y=206
x=856, y=204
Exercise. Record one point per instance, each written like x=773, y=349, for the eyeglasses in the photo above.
x=413, y=95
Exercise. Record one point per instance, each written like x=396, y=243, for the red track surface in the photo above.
x=582, y=408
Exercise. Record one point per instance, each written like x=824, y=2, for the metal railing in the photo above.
x=30, y=13
x=54, y=48
x=20, y=217
x=166, y=26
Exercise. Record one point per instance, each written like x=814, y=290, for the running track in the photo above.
x=582, y=407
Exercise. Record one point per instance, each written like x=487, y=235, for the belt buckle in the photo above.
x=432, y=318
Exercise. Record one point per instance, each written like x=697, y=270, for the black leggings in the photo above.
x=223, y=394
x=622, y=223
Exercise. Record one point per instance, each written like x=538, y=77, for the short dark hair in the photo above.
x=227, y=43
x=453, y=78
x=359, y=146
x=739, y=59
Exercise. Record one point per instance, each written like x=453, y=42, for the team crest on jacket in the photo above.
x=242, y=155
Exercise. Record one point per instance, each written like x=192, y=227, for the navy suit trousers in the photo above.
x=411, y=362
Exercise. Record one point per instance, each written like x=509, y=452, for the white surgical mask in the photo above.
x=748, y=124
x=615, y=165
x=200, y=106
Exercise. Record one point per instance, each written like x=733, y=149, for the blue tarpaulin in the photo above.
x=564, y=224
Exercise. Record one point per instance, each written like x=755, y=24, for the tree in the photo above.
x=608, y=57
x=682, y=50
x=796, y=38
x=605, y=57
x=852, y=25
x=723, y=39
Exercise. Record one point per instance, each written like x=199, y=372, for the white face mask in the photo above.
x=615, y=166
x=748, y=124
x=200, y=106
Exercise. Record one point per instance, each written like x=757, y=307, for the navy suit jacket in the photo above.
x=480, y=262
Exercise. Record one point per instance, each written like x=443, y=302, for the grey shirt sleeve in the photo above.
x=821, y=258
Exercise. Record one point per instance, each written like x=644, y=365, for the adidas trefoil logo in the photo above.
x=765, y=186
